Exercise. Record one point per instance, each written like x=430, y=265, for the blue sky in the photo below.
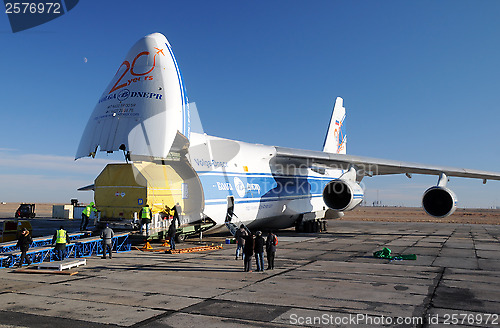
x=419, y=79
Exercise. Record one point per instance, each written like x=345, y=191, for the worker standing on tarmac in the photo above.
x=271, y=243
x=239, y=235
x=24, y=243
x=87, y=211
x=107, y=235
x=259, y=250
x=145, y=214
x=61, y=239
x=248, y=252
x=171, y=231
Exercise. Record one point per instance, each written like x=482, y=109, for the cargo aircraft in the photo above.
x=144, y=113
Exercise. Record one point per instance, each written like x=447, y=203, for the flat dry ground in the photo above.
x=415, y=214
x=41, y=210
x=381, y=214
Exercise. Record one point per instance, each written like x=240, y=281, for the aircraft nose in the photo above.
x=144, y=106
x=149, y=52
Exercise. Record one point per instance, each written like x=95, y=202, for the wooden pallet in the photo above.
x=61, y=265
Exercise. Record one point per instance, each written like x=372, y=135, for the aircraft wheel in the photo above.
x=180, y=238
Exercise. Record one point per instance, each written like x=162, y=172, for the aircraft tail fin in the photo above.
x=336, y=140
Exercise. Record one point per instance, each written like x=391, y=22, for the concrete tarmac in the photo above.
x=321, y=280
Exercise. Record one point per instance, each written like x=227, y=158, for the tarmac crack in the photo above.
x=70, y=280
x=215, y=298
x=441, y=249
x=153, y=319
x=427, y=303
x=475, y=249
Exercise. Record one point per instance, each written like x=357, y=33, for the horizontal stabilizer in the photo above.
x=87, y=188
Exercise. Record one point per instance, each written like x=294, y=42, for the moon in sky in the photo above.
x=84, y=59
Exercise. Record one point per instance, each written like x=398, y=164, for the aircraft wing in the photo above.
x=367, y=166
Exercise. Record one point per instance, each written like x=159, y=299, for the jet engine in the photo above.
x=439, y=202
x=342, y=195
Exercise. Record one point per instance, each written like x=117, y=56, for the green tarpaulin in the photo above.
x=386, y=254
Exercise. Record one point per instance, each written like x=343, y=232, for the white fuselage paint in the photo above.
x=265, y=194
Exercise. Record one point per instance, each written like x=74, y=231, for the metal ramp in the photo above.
x=39, y=255
x=231, y=227
x=4, y=261
x=81, y=248
x=93, y=245
x=10, y=246
x=230, y=221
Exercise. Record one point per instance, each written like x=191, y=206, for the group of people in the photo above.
x=248, y=245
x=60, y=240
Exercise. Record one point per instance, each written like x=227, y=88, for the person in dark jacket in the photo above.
x=24, y=243
x=271, y=243
x=175, y=215
x=240, y=241
x=259, y=250
x=247, y=252
x=171, y=234
x=60, y=239
x=107, y=235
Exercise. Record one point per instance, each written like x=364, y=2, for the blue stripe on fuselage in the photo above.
x=260, y=186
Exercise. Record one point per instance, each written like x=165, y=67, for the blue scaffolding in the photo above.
x=79, y=248
x=10, y=246
x=4, y=261
x=89, y=246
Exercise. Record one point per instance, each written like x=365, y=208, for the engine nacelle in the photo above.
x=439, y=202
x=342, y=195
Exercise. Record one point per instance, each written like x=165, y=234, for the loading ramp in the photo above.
x=79, y=248
x=11, y=246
